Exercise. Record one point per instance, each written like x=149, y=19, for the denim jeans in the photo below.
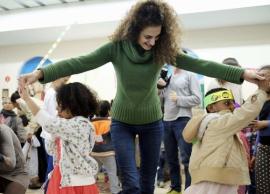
x=173, y=141
x=161, y=166
x=123, y=138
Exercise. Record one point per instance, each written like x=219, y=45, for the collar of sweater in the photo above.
x=135, y=53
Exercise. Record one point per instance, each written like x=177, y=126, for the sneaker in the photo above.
x=174, y=192
x=160, y=184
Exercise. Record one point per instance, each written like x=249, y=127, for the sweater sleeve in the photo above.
x=77, y=65
x=210, y=68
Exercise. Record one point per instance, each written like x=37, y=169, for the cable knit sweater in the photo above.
x=136, y=101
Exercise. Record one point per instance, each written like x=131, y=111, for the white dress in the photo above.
x=31, y=155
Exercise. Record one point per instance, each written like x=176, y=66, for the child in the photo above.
x=262, y=162
x=218, y=162
x=103, y=150
x=72, y=139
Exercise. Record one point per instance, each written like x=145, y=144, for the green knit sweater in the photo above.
x=136, y=101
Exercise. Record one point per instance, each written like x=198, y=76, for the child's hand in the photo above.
x=23, y=91
x=252, y=163
x=30, y=78
x=257, y=125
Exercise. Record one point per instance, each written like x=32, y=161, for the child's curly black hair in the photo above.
x=78, y=99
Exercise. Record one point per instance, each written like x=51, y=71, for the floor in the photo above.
x=157, y=191
x=104, y=188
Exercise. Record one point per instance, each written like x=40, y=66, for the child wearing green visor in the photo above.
x=218, y=162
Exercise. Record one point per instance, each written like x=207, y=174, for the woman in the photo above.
x=13, y=173
x=145, y=40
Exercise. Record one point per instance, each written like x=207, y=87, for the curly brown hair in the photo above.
x=152, y=13
x=78, y=99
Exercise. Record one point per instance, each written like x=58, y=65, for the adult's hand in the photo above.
x=30, y=78
x=173, y=96
x=253, y=76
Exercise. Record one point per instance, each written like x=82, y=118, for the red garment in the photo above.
x=54, y=183
x=242, y=188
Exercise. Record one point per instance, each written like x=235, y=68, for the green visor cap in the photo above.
x=218, y=96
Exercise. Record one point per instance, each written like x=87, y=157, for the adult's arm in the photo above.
x=71, y=66
x=212, y=69
x=77, y=65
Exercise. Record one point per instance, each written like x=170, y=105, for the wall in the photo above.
x=249, y=44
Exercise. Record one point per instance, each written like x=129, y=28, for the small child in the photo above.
x=218, y=162
x=103, y=150
x=72, y=139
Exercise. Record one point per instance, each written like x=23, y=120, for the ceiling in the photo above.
x=38, y=21
x=11, y=5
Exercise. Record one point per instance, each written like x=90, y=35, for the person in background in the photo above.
x=72, y=139
x=32, y=128
x=13, y=173
x=146, y=39
x=182, y=93
x=262, y=162
x=236, y=88
x=103, y=150
x=250, y=135
x=13, y=121
x=23, y=110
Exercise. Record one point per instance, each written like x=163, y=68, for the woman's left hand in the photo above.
x=253, y=76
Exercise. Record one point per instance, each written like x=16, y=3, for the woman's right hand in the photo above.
x=30, y=78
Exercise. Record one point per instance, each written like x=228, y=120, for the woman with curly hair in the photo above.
x=147, y=38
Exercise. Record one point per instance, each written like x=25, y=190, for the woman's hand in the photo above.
x=30, y=78
x=253, y=76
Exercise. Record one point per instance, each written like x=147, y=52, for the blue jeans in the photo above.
x=161, y=166
x=173, y=140
x=123, y=138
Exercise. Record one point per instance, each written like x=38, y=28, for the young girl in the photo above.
x=72, y=139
